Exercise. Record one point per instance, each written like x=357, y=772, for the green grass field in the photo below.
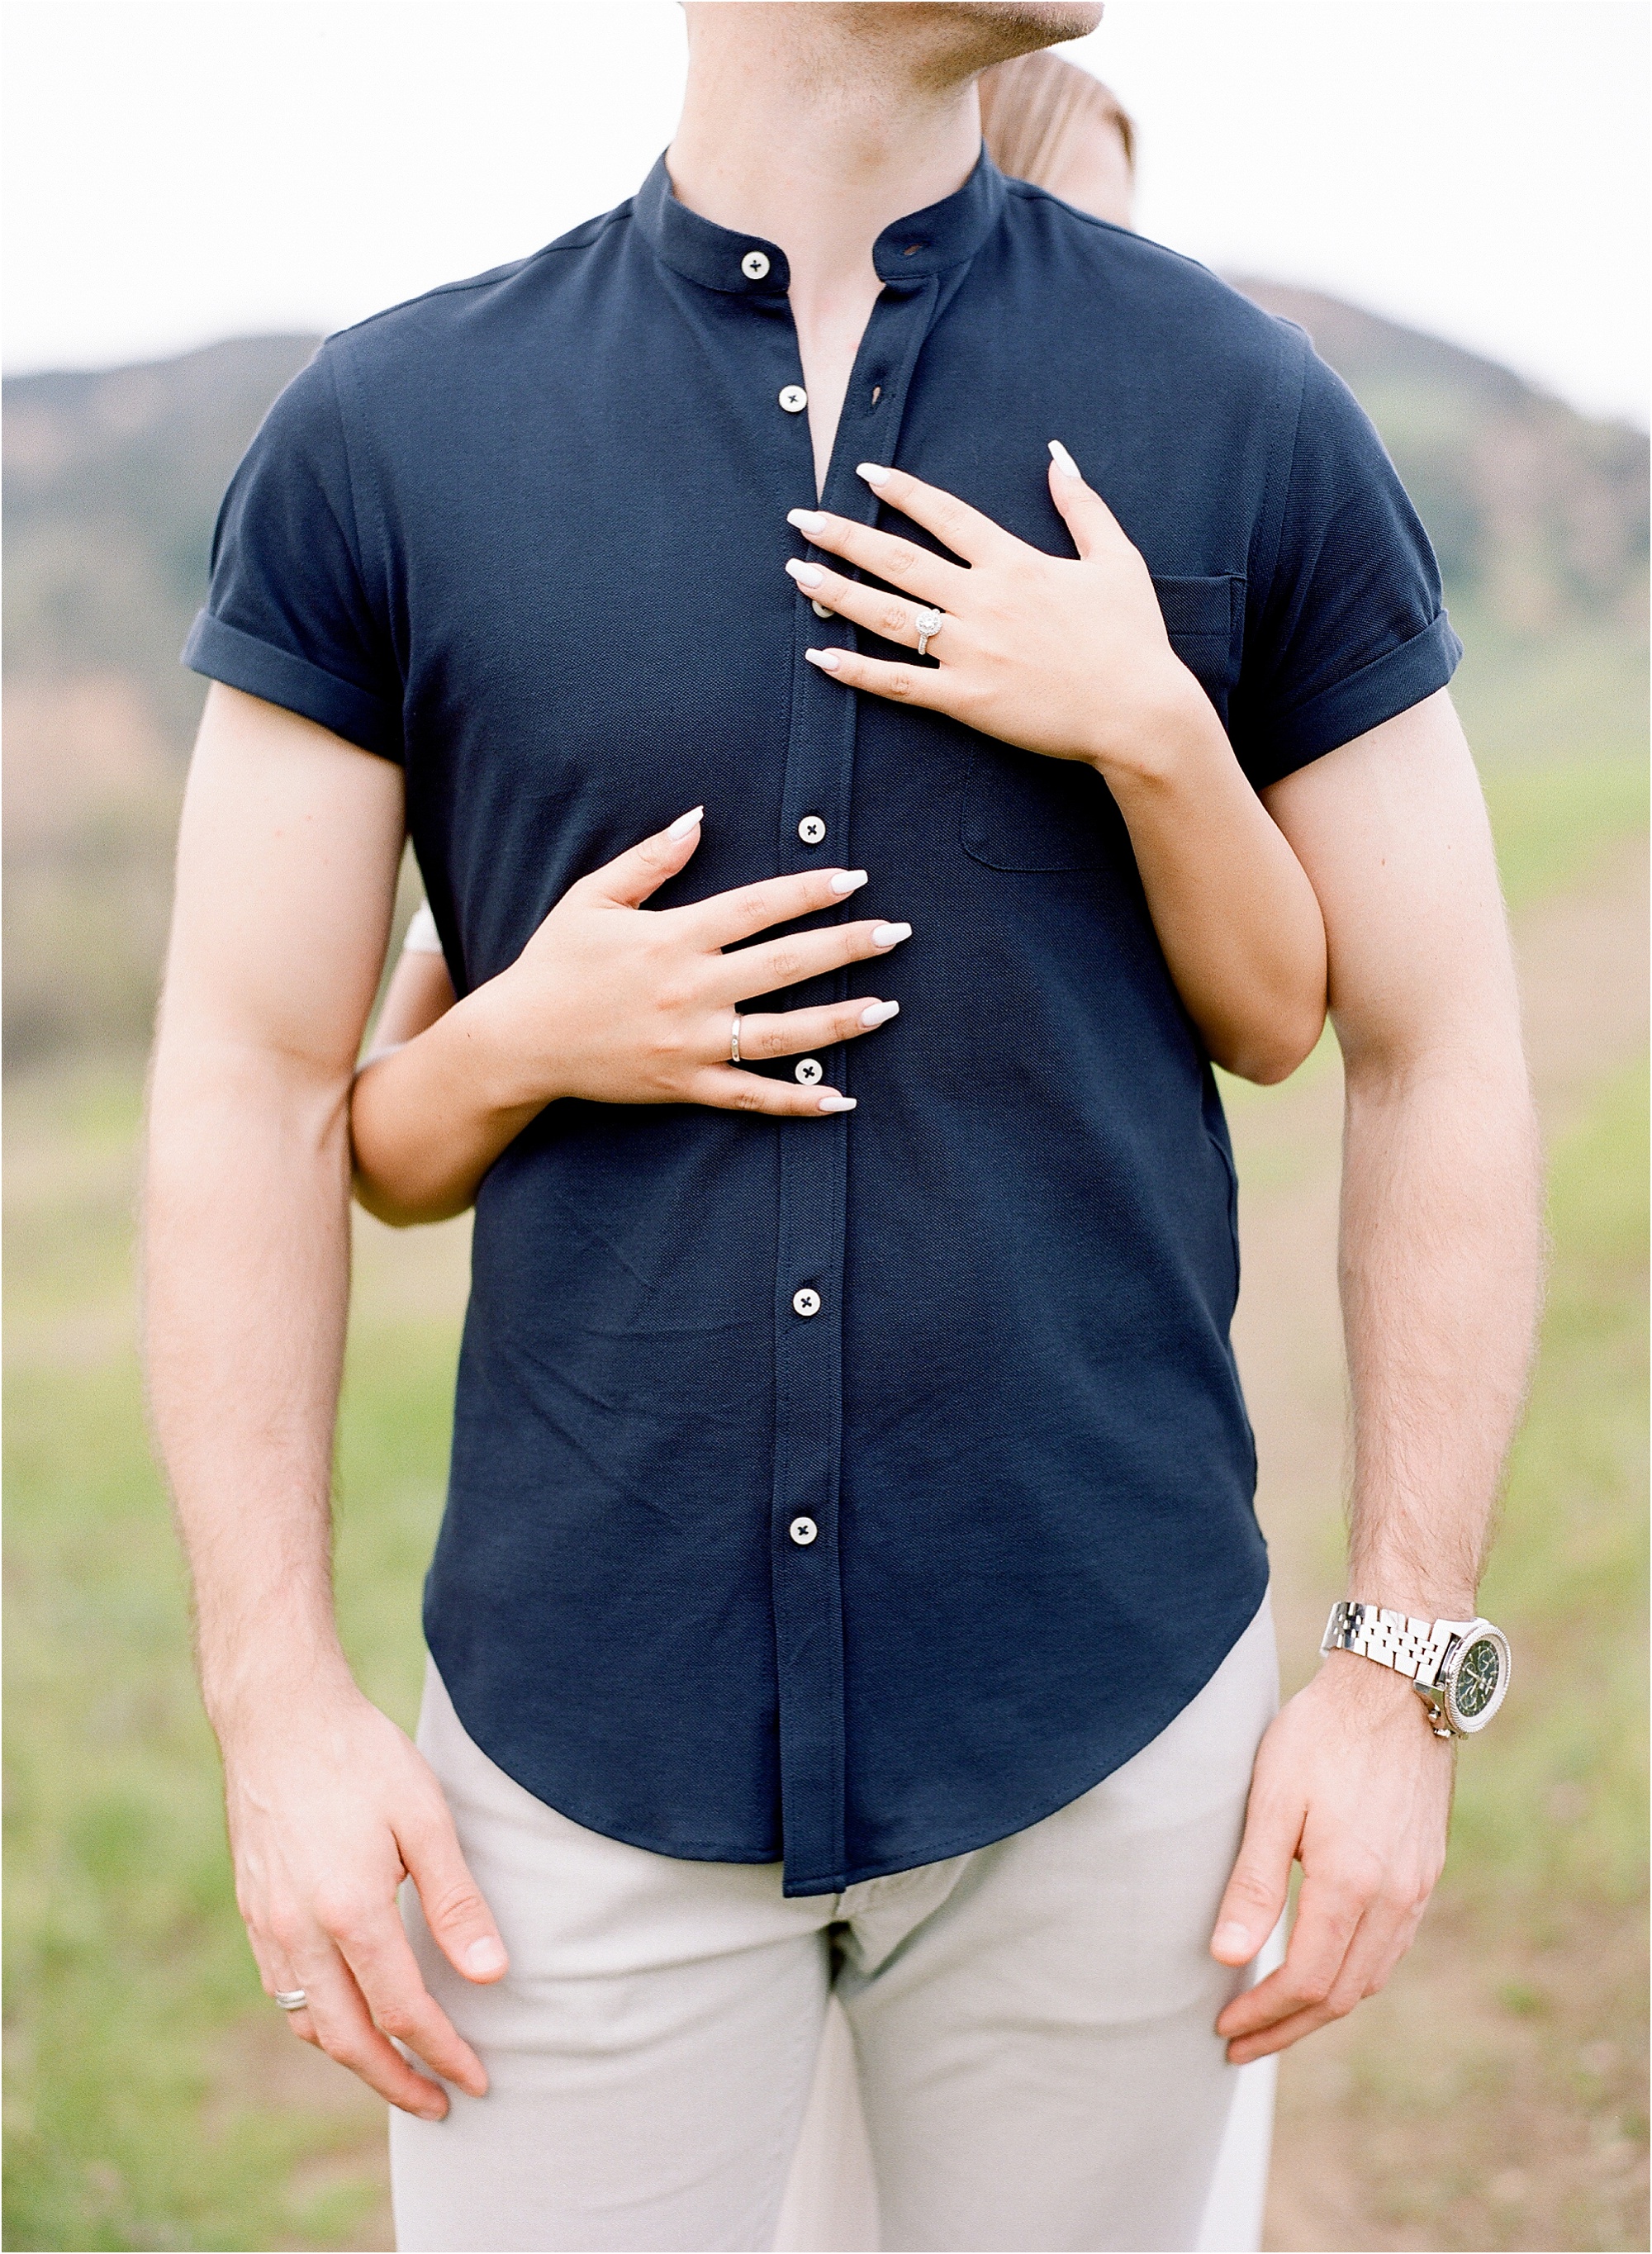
x=149, y=2105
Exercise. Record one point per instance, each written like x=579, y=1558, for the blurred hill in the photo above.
x=1537, y=515
x=111, y=485
x=112, y=480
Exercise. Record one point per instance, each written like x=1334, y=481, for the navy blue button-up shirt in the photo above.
x=526, y=535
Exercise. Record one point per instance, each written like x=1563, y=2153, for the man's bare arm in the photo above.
x=1440, y=1263
x=286, y=871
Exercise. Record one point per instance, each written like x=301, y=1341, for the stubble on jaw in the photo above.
x=940, y=42
x=1002, y=28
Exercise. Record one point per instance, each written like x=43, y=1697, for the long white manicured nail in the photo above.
x=847, y=880
x=684, y=822
x=835, y=1102
x=879, y=1013
x=1062, y=459
x=874, y=473
x=805, y=520
x=807, y=574
x=890, y=935
x=828, y=660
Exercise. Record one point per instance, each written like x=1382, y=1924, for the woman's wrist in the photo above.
x=505, y=1073
x=1169, y=742
x=427, y=1119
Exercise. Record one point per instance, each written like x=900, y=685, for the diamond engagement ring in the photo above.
x=291, y=2000
x=734, y=1040
x=928, y=622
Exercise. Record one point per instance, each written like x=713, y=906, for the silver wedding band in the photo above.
x=291, y=2000
x=928, y=621
x=734, y=1040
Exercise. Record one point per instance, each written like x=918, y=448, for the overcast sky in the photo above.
x=178, y=171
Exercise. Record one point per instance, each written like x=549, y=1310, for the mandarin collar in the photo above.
x=925, y=243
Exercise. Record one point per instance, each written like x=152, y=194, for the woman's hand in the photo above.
x=1068, y=659
x=1072, y=660
x=618, y=1004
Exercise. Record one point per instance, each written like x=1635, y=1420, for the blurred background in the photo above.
x=1450, y=196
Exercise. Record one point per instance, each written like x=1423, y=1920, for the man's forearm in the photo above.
x=1439, y=1272
x=1440, y=1268
x=246, y=1284
x=1439, y=1286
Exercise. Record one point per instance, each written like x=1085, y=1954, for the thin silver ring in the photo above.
x=928, y=622
x=734, y=1040
x=291, y=2000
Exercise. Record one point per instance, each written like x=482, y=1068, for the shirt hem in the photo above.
x=837, y=1882
x=970, y=1843
x=259, y=668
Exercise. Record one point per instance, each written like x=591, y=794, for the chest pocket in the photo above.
x=1022, y=811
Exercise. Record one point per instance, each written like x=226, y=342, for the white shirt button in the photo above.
x=808, y=1070
x=802, y=1531
x=793, y=399
x=806, y=1302
x=754, y=265
x=811, y=830
x=822, y=610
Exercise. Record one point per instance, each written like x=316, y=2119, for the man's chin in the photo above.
x=968, y=35
x=1014, y=29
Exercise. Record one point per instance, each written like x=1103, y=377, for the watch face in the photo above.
x=1474, y=1690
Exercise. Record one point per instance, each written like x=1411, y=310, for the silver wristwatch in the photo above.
x=1459, y=1668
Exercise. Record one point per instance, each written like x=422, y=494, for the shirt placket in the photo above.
x=808, y=1285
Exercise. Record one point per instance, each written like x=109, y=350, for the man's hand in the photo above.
x=1351, y=1781
x=330, y=1808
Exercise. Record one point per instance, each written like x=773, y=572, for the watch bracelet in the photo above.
x=1412, y=1648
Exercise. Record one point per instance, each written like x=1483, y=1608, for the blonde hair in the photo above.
x=1037, y=109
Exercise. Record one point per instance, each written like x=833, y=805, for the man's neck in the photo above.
x=818, y=144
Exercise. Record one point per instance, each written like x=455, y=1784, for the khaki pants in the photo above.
x=1032, y=2023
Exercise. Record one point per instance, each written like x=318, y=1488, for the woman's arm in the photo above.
x=428, y=1113
x=1072, y=660
x=617, y=1006
x=420, y=990
x=1232, y=904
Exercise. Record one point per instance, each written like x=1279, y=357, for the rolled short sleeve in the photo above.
x=288, y=616
x=1347, y=627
